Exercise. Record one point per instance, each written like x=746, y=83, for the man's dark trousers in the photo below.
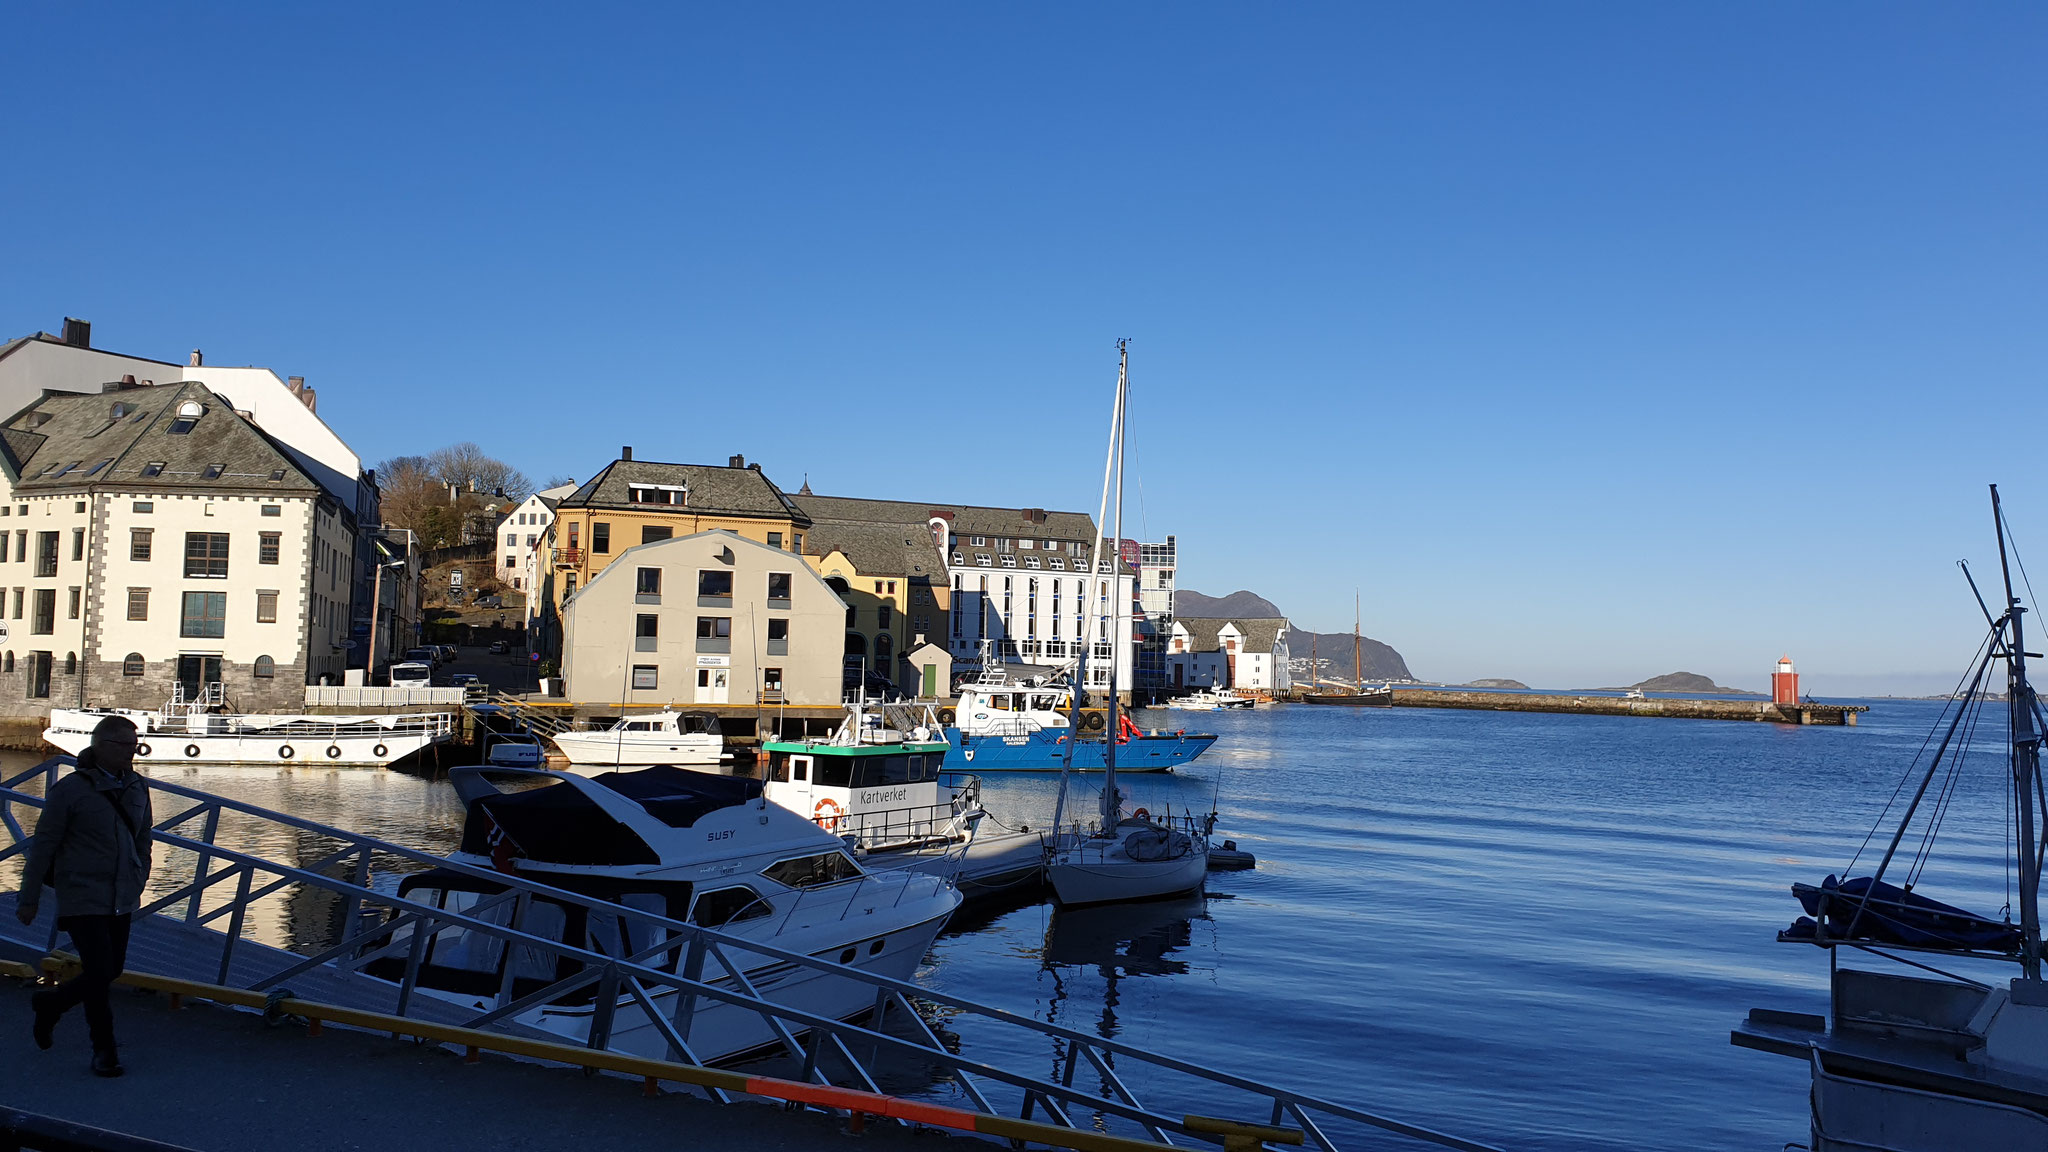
x=102, y=943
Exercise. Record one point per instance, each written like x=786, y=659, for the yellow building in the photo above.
x=893, y=581
x=635, y=502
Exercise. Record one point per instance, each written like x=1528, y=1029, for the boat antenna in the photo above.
x=2026, y=757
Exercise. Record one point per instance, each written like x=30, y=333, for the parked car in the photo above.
x=448, y=653
x=412, y=674
x=499, y=647
x=464, y=679
x=423, y=655
x=490, y=601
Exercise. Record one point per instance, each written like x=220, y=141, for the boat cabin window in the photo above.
x=1000, y=701
x=783, y=767
x=808, y=871
x=1045, y=703
x=729, y=906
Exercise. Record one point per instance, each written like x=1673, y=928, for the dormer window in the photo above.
x=119, y=410
x=982, y=559
x=276, y=474
x=153, y=468
x=658, y=494
x=188, y=415
x=212, y=471
x=1031, y=562
x=1009, y=561
x=1059, y=565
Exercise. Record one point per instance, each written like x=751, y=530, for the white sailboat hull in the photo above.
x=1090, y=874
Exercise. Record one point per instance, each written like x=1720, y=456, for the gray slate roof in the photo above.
x=714, y=489
x=877, y=549
x=967, y=519
x=1205, y=632
x=71, y=441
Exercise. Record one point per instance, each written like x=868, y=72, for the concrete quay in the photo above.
x=224, y=1081
x=1762, y=711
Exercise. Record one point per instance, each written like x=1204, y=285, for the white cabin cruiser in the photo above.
x=1210, y=701
x=669, y=737
x=183, y=732
x=696, y=847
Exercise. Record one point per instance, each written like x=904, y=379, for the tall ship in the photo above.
x=1915, y=1055
x=1359, y=696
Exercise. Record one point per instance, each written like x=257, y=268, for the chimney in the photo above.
x=736, y=462
x=128, y=381
x=312, y=400
x=198, y=359
x=77, y=333
x=754, y=467
x=626, y=452
x=297, y=384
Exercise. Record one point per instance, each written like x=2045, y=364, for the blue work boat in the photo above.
x=999, y=726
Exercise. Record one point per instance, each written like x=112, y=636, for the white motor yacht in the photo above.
x=192, y=732
x=691, y=846
x=688, y=738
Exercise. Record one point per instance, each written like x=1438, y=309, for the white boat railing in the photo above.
x=217, y=890
x=1085, y=844
x=430, y=725
x=351, y=696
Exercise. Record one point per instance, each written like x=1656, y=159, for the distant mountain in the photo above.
x=1687, y=682
x=1516, y=684
x=1377, y=661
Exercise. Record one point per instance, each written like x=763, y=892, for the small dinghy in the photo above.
x=1863, y=908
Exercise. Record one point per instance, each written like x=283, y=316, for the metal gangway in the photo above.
x=208, y=895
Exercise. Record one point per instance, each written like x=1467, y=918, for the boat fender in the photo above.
x=1092, y=721
x=379, y=751
x=284, y=752
x=191, y=750
x=946, y=716
x=1181, y=732
x=142, y=749
x=334, y=751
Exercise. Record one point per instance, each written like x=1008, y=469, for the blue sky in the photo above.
x=1587, y=342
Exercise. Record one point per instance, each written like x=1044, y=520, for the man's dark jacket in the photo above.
x=97, y=862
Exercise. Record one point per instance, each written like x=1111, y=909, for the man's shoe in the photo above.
x=106, y=1064
x=46, y=1019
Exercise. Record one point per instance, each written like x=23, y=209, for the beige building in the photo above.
x=155, y=538
x=702, y=620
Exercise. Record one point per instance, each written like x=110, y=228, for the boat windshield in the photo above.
x=811, y=871
x=874, y=771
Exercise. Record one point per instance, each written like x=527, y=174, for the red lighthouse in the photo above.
x=1784, y=683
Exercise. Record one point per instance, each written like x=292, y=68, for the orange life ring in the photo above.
x=1141, y=814
x=827, y=814
x=1060, y=740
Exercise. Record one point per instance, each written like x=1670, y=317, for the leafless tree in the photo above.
x=470, y=469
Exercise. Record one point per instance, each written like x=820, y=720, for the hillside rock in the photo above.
x=1376, y=661
x=1241, y=604
x=1686, y=682
x=1515, y=684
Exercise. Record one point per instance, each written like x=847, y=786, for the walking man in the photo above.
x=91, y=846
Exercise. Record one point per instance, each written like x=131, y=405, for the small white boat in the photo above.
x=678, y=738
x=187, y=733
x=1210, y=701
x=513, y=750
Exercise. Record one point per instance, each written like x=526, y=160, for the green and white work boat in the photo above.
x=880, y=784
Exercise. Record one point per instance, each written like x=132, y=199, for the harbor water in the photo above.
x=1530, y=929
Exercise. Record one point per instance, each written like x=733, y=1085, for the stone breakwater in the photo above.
x=1754, y=710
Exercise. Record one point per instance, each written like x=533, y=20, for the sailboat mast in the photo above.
x=2026, y=760
x=1112, y=799
x=1357, y=665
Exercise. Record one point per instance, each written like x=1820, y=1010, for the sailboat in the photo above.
x=1918, y=1058
x=1358, y=697
x=1121, y=856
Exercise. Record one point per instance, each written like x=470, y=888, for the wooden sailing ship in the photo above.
x=1357, y=697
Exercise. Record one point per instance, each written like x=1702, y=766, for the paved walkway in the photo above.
x=221, y=1080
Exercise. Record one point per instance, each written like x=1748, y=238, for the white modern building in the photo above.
x=155, y=540
x=1025, y=578
x=1219, y=653
x=522, y=536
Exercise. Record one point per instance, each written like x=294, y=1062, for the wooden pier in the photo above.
x=1762, y=711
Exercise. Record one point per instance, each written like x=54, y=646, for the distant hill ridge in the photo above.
x=1688, y=682
x=1377, y=661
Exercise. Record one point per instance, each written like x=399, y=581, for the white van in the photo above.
x=412, y=674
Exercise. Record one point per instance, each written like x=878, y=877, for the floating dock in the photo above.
x=1759, y=710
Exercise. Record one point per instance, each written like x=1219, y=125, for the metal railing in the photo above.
x=683, y=971
x=429, y=724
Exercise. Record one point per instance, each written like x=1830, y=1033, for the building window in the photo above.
x=981, y=559
x=273, y=509
x=778, y=586
x=568, y=585
x=205, y=615
x=131, y=665
x=778, y=628
x=206, y=555
x=600, y=538
x=138, y=543
x=649, y=582
x=644, y=677
x=1059, y=565
x=710, y=627
x=775, y=539
x=511, y=539
x=265, y=667
x=7, y=662
x=1009, y=561
x=17, y=603
x=39, y=675
x=511, y=561
x=138, y=603
x=266, y=607
x=646, y=626
x=882, y=616
x=45, y=621
x=714, y=583
x=650, y=533
x=153, y=468
x=979, y=541
x=212, y=471
x=46, y=553
x=1031, y=562
x=73, y=612
x=78, y=544
x=266, y=547
x=71, y=663
x=797, y=542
